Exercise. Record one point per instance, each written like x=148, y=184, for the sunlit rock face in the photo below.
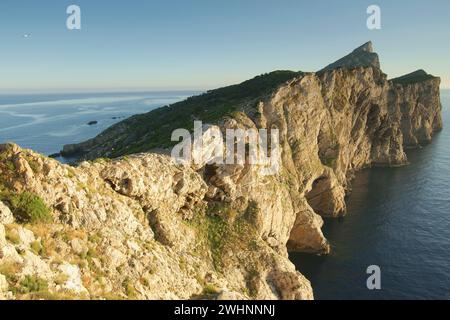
x=144, y=226
x=362, y=56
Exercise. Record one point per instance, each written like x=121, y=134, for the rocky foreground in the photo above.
x=140, y=226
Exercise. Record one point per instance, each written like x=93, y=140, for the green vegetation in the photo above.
x=153, y=130
x=10, y=165
x=129, y=289
x=70, y=173
x=209, y=289
x=330, y=156
x=330, y=162
x=31, y=287
x=34, y=165
x=36, y=247
x=32, y=284
x=223, y=232
x=10, y=270
x=252, y=280
x=11, y=234
x=27, y=207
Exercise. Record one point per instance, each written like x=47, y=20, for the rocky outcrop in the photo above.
x=5, y=214
x=138, y=227
x=362, y=56
x=415, y=93
x=147, y=227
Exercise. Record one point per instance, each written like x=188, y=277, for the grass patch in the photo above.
x=129, y=288
x=330, y=162
x=10, y=165
x=11, y=234
x=222, y=235
x=32, y=284
x=37, y=248
x=210, y=289
x=10, y=270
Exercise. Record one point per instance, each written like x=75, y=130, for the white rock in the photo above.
x=6, y=215
x=116, y=258
x=34, y=265
x=3, y=284
x=25, y=236
x=73, y=274
x=77, y=246
x=133, y=246
x=9, y=254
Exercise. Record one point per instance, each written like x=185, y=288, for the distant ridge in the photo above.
x=413, y=77
x=362, y=56
x=151, y=131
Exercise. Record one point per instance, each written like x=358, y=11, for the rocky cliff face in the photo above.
x=138, y=227
x=362, y=56
x=141, y=226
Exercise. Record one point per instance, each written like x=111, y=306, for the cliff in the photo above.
x=362, y=56
x=142, y=226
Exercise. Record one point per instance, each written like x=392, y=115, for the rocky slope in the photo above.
x=141, y=226
x=362, y=56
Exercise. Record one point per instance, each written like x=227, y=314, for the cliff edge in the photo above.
x=141, y=226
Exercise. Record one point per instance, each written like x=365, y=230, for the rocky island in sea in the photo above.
x=130, y=223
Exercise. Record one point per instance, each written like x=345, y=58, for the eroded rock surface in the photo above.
x=142, y=226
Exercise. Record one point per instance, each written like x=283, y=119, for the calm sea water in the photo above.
x=398, y=219
x=45, y=123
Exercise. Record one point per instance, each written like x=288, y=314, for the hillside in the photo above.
x=152, y=130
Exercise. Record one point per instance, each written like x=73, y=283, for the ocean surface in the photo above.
x=45, y=123
x=399, y=220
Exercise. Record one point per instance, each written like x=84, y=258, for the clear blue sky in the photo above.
x=189, y=44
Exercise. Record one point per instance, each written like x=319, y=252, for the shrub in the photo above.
x=10, y=270
x=28, y=207
x=32, y=284
x=210, y=289
x=36, y=247
x=10, y=165
x=129, y=288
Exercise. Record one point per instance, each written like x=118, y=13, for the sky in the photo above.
x=203, y=44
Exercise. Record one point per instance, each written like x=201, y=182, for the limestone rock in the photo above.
x=230, y=296
x=73, y=282
x=26, y=237
x=33, y=265
x=9, y=254
x=291, y=285
x=78, y=246
x=3, y=284
x=362, y=56
x=6, y=215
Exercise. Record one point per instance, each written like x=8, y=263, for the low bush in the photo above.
x=27, y=207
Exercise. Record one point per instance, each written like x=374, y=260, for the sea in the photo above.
x=46, y=122
x=398, y=218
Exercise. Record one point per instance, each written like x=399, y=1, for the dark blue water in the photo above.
x=398, y=219
x=45, y=123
